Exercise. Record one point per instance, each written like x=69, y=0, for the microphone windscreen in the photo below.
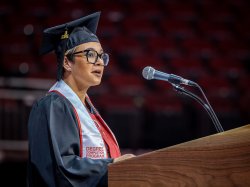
x=148, y=73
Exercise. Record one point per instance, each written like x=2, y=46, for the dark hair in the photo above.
x=70, y=56
x=60, y=50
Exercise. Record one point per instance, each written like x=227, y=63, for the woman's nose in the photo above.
x=99, y=61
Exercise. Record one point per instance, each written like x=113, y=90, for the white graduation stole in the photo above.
x=93, y=145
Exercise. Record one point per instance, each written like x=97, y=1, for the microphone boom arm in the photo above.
x=215, y=117
x=207, y=107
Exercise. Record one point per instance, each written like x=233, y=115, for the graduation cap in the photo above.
x=69, y=35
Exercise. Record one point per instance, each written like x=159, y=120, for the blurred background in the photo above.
x=206, y=41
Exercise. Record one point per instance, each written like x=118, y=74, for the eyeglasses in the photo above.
x=92, y=56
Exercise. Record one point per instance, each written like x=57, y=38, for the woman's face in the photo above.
x=84, y=73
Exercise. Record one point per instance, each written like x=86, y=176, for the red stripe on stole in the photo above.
x=106, y=133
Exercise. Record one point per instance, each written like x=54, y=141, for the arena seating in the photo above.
x=205, y=41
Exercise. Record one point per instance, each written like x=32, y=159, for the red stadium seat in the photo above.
x=127, y=84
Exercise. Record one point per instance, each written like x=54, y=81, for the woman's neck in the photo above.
x=80, y=92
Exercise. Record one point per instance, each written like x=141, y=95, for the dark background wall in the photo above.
x=202, y=40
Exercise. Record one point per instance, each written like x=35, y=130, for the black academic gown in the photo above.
x=54, y=148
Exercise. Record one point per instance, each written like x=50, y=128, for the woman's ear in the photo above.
x=67, y=64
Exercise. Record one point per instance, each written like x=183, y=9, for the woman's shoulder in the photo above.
x=51, y=98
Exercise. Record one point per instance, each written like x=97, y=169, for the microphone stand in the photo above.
x=215, y=117
x=206, y=106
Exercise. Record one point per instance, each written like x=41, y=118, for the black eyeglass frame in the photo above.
x=105, y=62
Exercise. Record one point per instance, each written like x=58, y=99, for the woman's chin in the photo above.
x=96, y=83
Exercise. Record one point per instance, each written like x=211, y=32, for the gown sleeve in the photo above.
x=54, y=148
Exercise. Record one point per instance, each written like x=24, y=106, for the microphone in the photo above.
x=150, y=73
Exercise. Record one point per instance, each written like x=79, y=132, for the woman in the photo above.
x=69, y=142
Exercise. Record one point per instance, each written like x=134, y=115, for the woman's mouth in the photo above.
x=97, y=73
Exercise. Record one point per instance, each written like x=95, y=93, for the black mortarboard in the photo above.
x=69, y=35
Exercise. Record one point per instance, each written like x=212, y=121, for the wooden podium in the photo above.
x=221, y=159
